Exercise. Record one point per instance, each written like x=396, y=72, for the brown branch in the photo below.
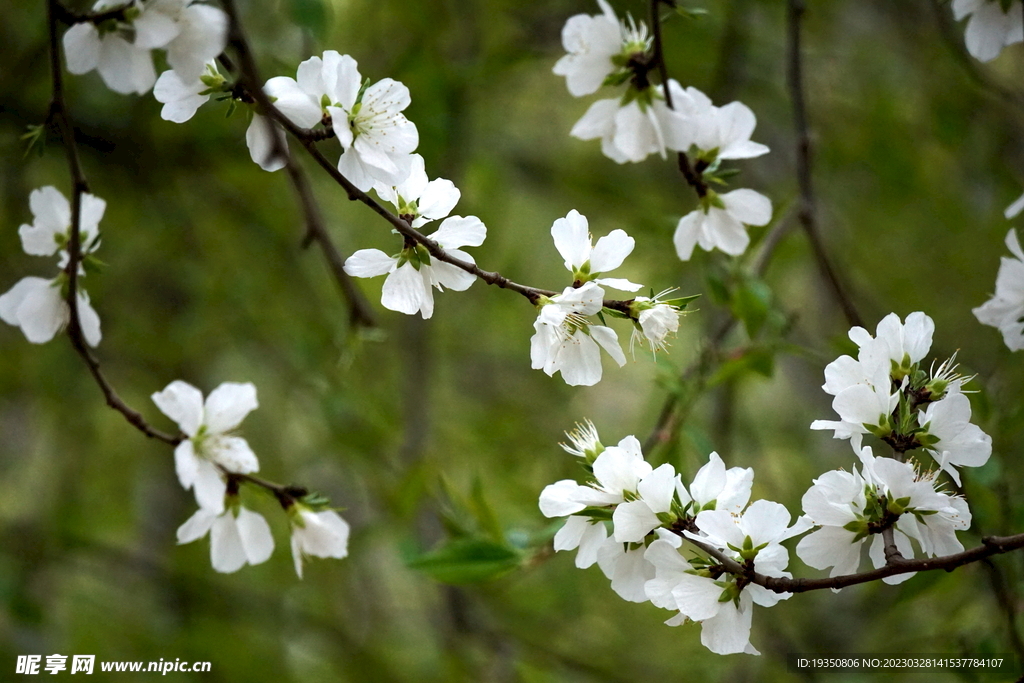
x=249, y=79
x=807, y=215
x=360, y=311
x=59, y=116
x=990, y=545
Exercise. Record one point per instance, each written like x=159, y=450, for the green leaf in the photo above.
x=467, y=560
x=484, y=513
x=751, y=304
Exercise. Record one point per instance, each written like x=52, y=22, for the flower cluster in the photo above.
x=632, y=519
x=40, y=306
x=565, y=338
x=885, y=392
x=209, y=460
x=413, y=273
x=119, y=46
x=1005, y=309
x=993, y=25
x=850, y=507
x=645, y=120
x=650, y=512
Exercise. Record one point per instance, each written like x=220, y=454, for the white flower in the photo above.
x=836, y=500
x=317, y=534
x=565, y=341
x=191, y=33
x=716, y=488
x=585, y=442
x=200, y=34
x=591, y=42
x=413, y=272
x=124, y=64
x=638, y=517
x=617, y=473
x=210, y=443
x=50, y=230
x=956, y=442
x=418, y=200
x=718, y=132
x=1005, y=310
x=181, y=99
x=377, y=139
x=656, y=320
x=862, y=388
x=719, y=222
x=238, y=536
x=760, y=529
x=587, y=261
x=990, y=28
x=630, y=132
x=37, y=306
x=925, y=514
x=903, y=344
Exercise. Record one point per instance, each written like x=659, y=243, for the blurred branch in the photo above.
x=360, y=311
x=807, y=215
x=250, y=80
x=58, y=116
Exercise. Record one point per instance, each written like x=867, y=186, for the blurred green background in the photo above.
x=420, y=428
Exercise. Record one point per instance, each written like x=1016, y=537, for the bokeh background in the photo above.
x=429, y=431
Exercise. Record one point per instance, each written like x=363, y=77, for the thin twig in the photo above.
x=808, y=218
x=250, y=81
x=693, y=177
x=58, y=114
x=990, y=545
x=360, y=311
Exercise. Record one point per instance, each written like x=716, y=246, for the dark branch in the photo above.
x=59, y=117
x=693, y=178
x=360, y=311
x=249, y=79
x=807, y=215
x=990, y=545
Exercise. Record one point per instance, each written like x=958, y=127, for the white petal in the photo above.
x=210, y=487
x=369, y=263
x=456, y=232
x=227, y=553
x=610, y=251
x=124, y=67
x=633, y=521
x=186, y=464
x=598, y=122
x=747, y=206
x=228, y=404
x=728, y=632
x=41, y=312
x=257, y=540
x=609, y=341
x=259, y=137
x=572, y=239
x=196, y=526
x=82, y=48
x=559, y=499
x=154, y=30
x=183, y=403
x=234, y=455
x=293, y=101
x=403, y=291
x=687, y=232
x=88, y=319
x=438, y=199
x=204, y=33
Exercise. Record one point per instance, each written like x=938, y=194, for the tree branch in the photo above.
x=58, y=115
x=360, y=311
x=807, y=215
x=250, y=80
